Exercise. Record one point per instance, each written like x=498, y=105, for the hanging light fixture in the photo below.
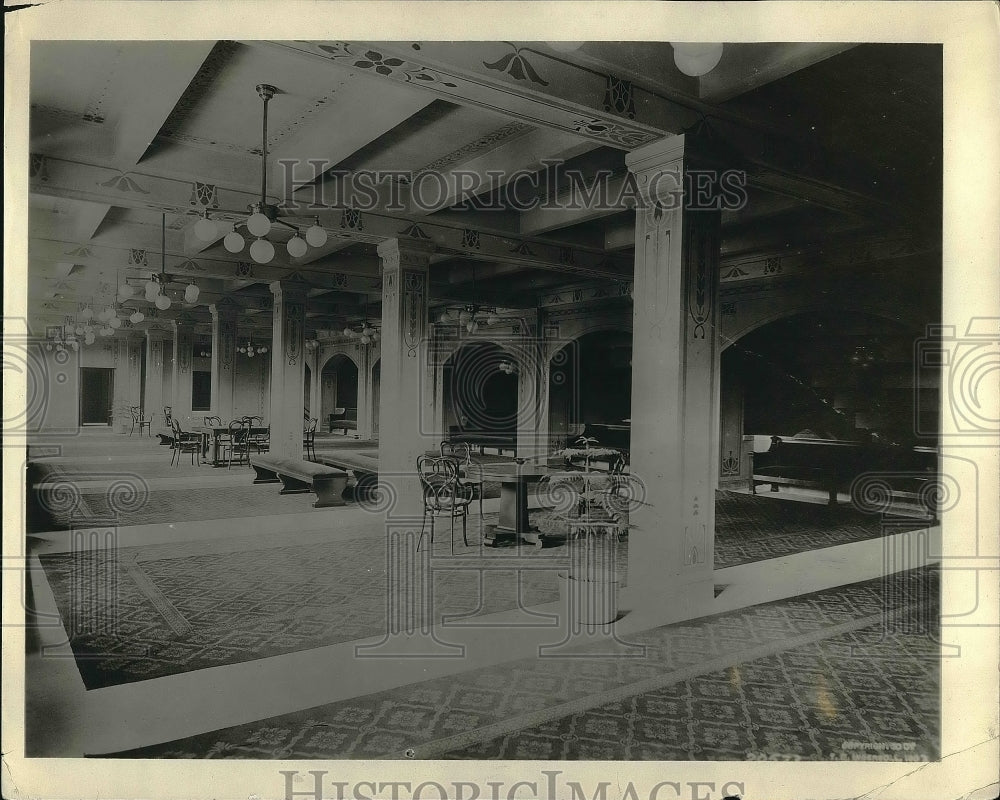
x=366, y=333
x=507, y=367
x=471, y=316
x=263, y=215
x=696, y=58
x=250, y=350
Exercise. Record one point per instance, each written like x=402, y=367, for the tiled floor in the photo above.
x=501, y=700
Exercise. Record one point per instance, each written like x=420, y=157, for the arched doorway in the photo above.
x=480, y=399
x=590, y=382
x=339, y=388
x=838, y=374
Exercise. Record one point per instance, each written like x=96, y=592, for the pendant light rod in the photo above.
x=265, y=91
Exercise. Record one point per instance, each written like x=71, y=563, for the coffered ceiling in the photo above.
x=841, y=144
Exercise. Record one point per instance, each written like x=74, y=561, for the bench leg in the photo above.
x=329, y=491
x=833, y=496
x=290, y=485
x=264, y=475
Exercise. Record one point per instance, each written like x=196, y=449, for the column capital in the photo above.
x=655, y=155
x=226, y=307
x=411, y=253
x=289, y=290
x=158, y=334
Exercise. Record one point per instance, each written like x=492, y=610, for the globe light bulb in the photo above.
x=87, y=314
x=297, y=246
x=365, y=339
x=262, y=251
x=262, y=349
x=137, y=317
x=492, y=319
x=233, y=242
x=696, y=58
x=125, y=291
x=162, y=302
x=465, y=317
x=152, y=287
x=115, y=323
x=205, y=230
x=258, y=224
x=347, y=331
x=75, y=345
x=191, y=293
x=316, y=236
x=89, y=338
x=48, y=346
x=79, y=330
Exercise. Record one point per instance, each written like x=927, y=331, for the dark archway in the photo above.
x=480, y=399
x=339, y=388
x=590, y=382
x=838, y=374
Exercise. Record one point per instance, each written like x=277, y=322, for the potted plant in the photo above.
x=585, y=502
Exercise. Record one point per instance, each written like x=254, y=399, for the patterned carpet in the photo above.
x=755, y=528
x=145, y=612
x=800, y=678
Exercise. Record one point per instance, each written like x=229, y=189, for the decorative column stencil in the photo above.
x=675, y=372
x=183, y=349
x=406, y=388
x=224, y=314
x=154, y=398
x=287, y=368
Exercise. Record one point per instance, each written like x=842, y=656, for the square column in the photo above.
x=366, y=357
x=675, y=374
x=532, y=394
x=288, y=370
x=126, y=349
x=224, y=314
x=406, y=393
x=154, y=398
x=183, y=352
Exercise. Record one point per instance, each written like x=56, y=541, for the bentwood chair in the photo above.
x=309, y=439
x=138, y=419
x=261, y=442
x=168, y=417
x=185, y=442
x=473, y=477
x=443, y=493
x=213, y=422
x=238, y=445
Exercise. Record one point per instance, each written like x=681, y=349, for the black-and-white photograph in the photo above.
x=438, y=400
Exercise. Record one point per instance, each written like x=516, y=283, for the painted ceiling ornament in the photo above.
x=122, y=183
x=244, y=269
x=351, y=218
x=204, y=194
x=414, y=231
x=516, y=65
x=470, y=239
x=38, y=168
x=618, y=97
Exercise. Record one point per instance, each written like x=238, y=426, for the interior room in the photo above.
x=483, y=400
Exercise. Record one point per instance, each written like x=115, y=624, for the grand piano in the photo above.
x=834, y=466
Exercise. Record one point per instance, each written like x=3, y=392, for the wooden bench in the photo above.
x=364, y=467
x=344, y=424
x=298, y=476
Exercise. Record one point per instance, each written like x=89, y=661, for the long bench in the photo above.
x=364, y=467
x=303, y=476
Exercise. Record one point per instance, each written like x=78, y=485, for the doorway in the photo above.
x=96, y=391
